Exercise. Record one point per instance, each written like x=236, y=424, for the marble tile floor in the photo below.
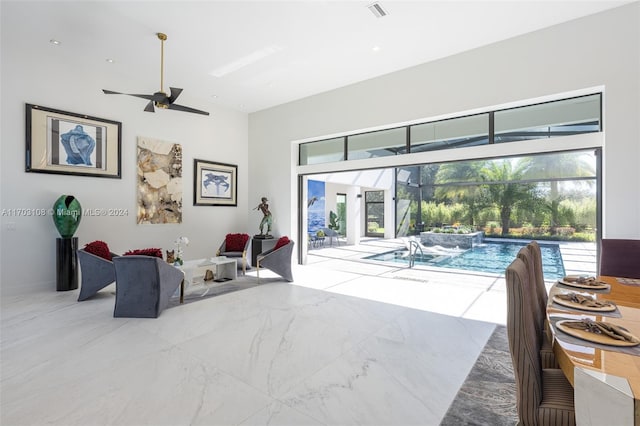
x=348, y=343
x=275, y=354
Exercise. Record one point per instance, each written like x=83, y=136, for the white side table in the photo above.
x=226, y=270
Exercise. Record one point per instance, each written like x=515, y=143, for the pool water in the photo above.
x=488, y=257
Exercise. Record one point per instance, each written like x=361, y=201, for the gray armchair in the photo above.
x=96, y=273
x=145, y=285
x=277, y=260
x=237, y=246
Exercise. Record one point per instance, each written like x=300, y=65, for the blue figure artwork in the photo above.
x=218, y=180
x=79, y=146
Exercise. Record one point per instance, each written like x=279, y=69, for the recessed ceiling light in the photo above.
x=377, y=10
x=214, y=96
x=54, y=41
x=110, y=60
x=376, y=48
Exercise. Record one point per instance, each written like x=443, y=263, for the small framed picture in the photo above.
x=214, y=184
x=67, y=143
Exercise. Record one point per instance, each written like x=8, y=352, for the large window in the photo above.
x=325, y=151
x=454, y=133
x=546, y=195
x=545, y=120
x=552, y=119
x=377, y=144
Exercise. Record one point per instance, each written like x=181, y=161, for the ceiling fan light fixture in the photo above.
x=160, y=99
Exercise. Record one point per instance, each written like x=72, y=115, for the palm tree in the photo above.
x=505, y=192
x=473, y=195
x=552, y=166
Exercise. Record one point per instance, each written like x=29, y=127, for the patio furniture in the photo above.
x=278, y=259
x=620, y=258
x=145, y=285
x=236, y=245
x=544, y=395
x=96, y=273
x=331, y=234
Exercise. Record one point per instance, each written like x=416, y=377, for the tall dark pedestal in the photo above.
x=66, y=264
x=259, y=245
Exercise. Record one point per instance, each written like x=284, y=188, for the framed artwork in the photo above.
x=159, y=181
x=214, y=184
x=62, y=142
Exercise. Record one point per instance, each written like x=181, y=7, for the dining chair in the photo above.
x=620, y=258
x=544, y=396
x=539, y=299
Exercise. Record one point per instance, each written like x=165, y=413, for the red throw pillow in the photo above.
x=282, y=241
x=145, y=252
x=235, y=242
x=98, y=248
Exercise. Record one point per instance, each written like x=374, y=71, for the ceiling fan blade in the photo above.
x=111, y=92
x=149, y=107
x=174, y=94
x=187, y=109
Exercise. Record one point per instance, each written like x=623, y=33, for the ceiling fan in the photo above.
x=160, y=99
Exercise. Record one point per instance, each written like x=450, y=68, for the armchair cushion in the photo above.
x=282, y=241
x=235, y=242
x=155, y=252
x=98, y=248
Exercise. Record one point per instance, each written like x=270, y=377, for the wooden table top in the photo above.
x=570, y=355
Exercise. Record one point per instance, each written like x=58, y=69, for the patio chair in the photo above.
x=544, y=396
x=331, y=234
x=236, y=245
x=145, y=285
x=96, y=273
x=620, y=258
x=278, y=259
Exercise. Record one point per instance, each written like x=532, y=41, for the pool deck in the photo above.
x=467, y=294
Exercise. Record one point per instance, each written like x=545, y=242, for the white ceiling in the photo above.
x=273, y=51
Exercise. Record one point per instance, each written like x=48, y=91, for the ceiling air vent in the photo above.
x=377, y=10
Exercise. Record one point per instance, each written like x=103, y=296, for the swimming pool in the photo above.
x=487, y=257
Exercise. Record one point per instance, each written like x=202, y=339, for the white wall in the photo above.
x=27, y=256
x=601, y=50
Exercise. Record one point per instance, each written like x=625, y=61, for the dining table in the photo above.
x=605, y=376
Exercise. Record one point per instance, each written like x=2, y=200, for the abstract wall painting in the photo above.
x=159, y=181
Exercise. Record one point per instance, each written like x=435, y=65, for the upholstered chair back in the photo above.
x=145, y=285
x=524, y=343
x=536, y=253
x=620, y=258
